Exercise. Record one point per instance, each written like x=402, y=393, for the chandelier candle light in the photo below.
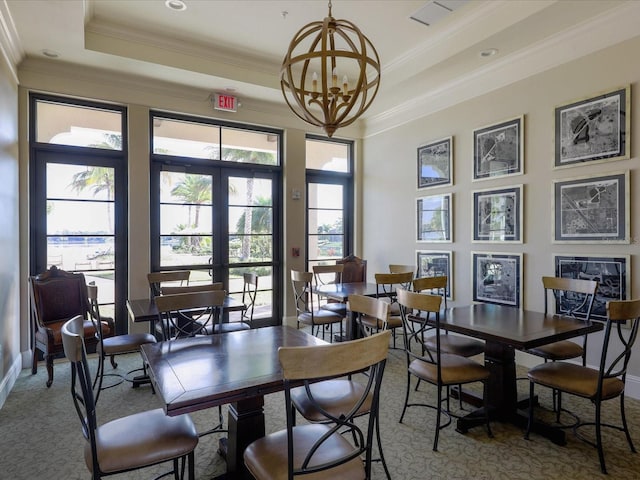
x=318, y=53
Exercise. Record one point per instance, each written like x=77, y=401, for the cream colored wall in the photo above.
x=10, y=279
x=389, y=171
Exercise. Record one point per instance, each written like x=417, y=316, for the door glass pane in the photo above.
x=325, y=217
x=185, y=219
x=263, y=307
x=80, y=224
x=250, y=220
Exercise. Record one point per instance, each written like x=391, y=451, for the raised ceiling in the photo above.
x=239, y=45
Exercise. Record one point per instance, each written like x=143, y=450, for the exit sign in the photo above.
x=228, y=103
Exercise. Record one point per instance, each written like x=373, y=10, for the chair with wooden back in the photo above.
x=398, y=268
x=190, y=314
x=56, y=296
x=387, y=284
x=456, y=344
x=306, y=311
x=326, y=275
x=575, y=298
x=319, y=448
x=435, y=367
x=249, y=295
x=173, y=277
x=338, y=394
x=595, y=384
x=211, y=325
x=355, y=269
x=128, y=443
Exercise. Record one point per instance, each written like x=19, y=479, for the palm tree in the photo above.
x=248, y=156
x=194, y=190
x=99, y=179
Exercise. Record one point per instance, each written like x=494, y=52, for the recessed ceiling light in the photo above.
x=489, y=52
x=50, y=53
x=177, y=5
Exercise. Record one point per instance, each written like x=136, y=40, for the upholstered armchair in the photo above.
x=55, y=297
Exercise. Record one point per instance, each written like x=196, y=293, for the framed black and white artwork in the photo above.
x=433, y=217
x=497, y=278
x=497, y=215
x=436, y=264
x=613, y=273
x=595, y=129
x=593, y=209
x=498, y=150
x=435, y=163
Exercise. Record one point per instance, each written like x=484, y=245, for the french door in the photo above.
x=219, y=222
x=78, y=221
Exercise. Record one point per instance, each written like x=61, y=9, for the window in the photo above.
x=329, y=200
x=78, y=187
x=216, y=205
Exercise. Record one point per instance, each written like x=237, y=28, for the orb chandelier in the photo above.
x=319, y=55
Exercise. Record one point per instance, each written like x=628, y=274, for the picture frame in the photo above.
x=435, y=164
x=497, y=278
x=497, y=215
x=593, y=130
x=433, y=218
x=592, y=209
x=498, y=149
x=613, y=273
x=435, y=264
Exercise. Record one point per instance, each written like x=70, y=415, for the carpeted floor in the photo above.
x=40, y=435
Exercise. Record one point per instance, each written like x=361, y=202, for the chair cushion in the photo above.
x=142, y=439
x=563, y=350
x=339, y=308
x=335, y=396
x=230, y=327
x=456, y=344
x=56, y=329
x=574, y=379
x=126, y=343
x=372, y=322
x=320, y=317
x=455, y=370
x=266, y=458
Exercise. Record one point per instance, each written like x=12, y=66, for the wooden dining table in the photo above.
x=237, y=368
x=504, y=330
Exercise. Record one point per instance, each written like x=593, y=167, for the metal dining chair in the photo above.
x=128, y=443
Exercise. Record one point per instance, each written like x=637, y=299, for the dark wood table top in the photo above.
x=200, y=372
x=144, y=309
x=341, y=291
x=522, y=329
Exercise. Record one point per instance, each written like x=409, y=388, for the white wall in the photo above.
x=389, y=170
x=10, y=278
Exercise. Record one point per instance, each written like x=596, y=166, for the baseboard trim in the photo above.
x=10, y=378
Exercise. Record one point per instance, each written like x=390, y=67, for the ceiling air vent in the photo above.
x=435, y=10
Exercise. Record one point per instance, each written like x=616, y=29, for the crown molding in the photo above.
x=97, y=29
x=10, y=46
x=588, y=37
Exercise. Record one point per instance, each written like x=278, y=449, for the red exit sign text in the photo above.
x=224, y=102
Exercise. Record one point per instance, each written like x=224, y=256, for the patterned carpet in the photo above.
x=41, y=438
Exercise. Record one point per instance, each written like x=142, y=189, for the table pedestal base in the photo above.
x=246, y=424
x=504, y=405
